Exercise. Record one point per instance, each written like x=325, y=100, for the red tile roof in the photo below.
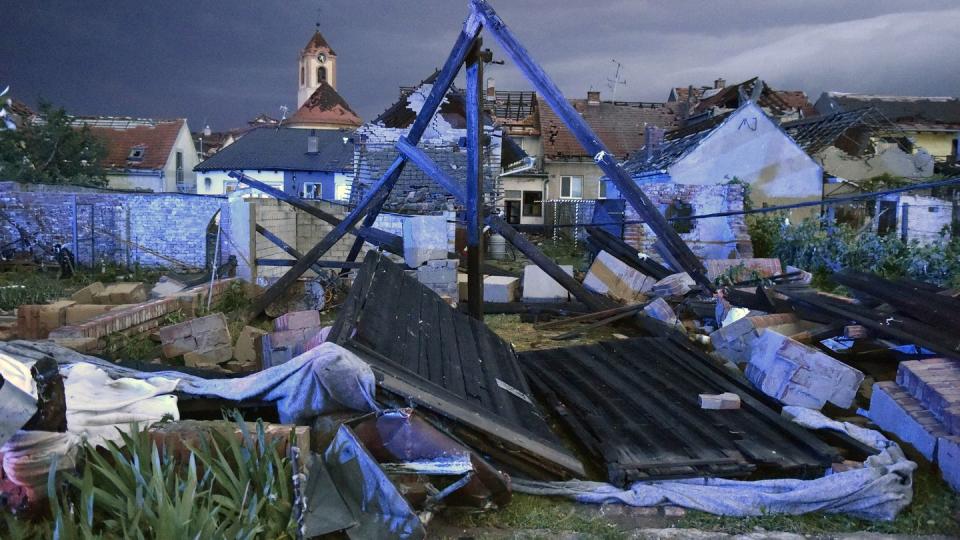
x=157, y=139
x=318, y=43
x=620, y=125
x=325, y=106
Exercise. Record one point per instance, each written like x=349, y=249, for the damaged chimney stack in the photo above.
x=593, y=97
x=719, y=83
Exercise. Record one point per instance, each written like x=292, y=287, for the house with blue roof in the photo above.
x=310, y=164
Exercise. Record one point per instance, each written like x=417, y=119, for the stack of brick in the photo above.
x=796, y=374
x=138, y=318
x=203, y=342
x=292, y=332
x=922, y=408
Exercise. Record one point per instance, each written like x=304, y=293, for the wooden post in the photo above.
x=549, y=91
x=419, y=158
x=905, y=222
x=73, y=231
x=474, y=206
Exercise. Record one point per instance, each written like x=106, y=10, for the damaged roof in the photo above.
x=325, y=106
x=619, y=125
x=908, y=112
x=134, y=143
x=285, y=149
x=778, y=102
x=676, y=144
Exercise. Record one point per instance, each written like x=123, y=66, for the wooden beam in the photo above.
x=591, y=143
x=567, y=281
x=288, y=249
x=389, y=242
x=474, y=206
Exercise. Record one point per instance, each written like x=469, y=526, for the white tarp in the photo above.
x=878, y=491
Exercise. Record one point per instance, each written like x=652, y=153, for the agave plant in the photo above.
x=228, y=488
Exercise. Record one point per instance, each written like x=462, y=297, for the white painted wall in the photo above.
x=184, y=144
x=751, y=147
x=220, y=179
x=888, y=159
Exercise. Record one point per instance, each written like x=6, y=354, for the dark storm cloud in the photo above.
x=222, y=62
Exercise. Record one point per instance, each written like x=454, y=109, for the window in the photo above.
x=533, y=203
x=602, y=189
x=342, y=192
x=321, y=74
x=677, y=209
x=179, y=168
x=207, y=182
x=571, y=187
x=311, y=190
x=301, y=76
x=136, y=153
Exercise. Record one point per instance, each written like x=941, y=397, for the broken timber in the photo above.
x=546, y=88
x=626, y=254
x=474, y=206
x=498, y=225
x=450, y=364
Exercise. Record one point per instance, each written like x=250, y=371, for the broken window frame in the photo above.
x=317, y=189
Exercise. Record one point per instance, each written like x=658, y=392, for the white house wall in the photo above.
x=184, y=144
x=751, y=147
x=220, y=179
x=888, y=159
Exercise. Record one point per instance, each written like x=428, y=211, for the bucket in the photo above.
x=497, y=247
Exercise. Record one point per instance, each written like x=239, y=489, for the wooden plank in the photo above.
x=591, y=316
x=602, y=322
x=453, y=372
x=549, y=91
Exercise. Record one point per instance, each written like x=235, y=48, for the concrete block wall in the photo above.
x=713, y=238
x=172, y=224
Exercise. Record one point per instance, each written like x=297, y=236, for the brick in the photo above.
x=175, y=331
x=211, y=323
x=246, y=349
x=296, y=320
x=79, y=313
x=122, y=293
x=796, y=374
x=897, y=412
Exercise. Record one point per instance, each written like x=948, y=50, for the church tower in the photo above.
x=318, y=64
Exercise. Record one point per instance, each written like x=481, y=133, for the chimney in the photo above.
x=593, y=97
x=719, y=83
x=313, y=142
x=491, y=89
x=652, y=139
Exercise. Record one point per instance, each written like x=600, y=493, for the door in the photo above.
x=513, y=212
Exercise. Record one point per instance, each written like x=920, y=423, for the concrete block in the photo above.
x=297, y=320
x=175, y=331
x=732, y=342
x=500, y=288
x=660, y=310
x=796, y=374
x=610, y=276
x=896, y=412
x=424, y=238
x=216, y=322
x=179, y=346
x=122, y=293
x=539, y=287
x=208, y=359
x=948, y=459
x=438, y=273
x=246, y=351
x=462, y=287
x=674, y=285
x=934, y=382
x=86, y=294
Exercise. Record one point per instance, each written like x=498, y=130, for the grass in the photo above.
x=40, y=287
x=526, y=337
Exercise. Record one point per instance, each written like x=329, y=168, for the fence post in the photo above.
x=905, y=222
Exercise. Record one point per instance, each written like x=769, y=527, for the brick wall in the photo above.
x=300, y=230
x=713, y=238
x=172, y=224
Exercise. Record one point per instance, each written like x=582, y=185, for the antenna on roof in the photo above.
x=616, y=80
x=283, y=115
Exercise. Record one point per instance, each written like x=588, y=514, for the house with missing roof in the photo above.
x=698, y=103
x=145, y=154
x=443, y=141
x=691, y=171
x=932, y=123
x=310, y=164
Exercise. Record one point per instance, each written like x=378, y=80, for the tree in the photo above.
x=52, y=151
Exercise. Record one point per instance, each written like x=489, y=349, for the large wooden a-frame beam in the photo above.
x=374, y=199
x=590, y=142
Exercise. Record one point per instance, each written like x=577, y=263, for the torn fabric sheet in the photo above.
x=878, y=491
x=326, y=379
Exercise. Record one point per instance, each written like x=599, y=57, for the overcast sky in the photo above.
x=222, y=62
